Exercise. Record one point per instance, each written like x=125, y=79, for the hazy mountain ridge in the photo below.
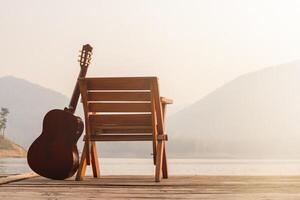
x=256, y=115
x=27, y=103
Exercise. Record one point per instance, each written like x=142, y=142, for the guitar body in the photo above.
x=54, y=153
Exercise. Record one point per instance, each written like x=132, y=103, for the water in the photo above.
x=13, y=166
x=129, y=166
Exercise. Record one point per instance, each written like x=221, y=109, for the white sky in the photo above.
x=193, y=46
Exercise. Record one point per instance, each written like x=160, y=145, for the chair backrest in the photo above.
x=120, y=104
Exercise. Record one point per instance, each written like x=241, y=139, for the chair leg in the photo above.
x=165, y=164
x=95, y=162
x=82, y=166
x=159, y=159
x=154, y=150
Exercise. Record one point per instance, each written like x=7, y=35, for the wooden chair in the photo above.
x=123, y=109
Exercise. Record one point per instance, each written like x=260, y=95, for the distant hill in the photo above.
x=10, y=149
x=27, y=104
x=257, y=115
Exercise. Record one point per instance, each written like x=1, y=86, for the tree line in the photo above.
x=3, y=119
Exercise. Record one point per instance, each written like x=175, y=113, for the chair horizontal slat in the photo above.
x=119, y=96
x=119, y=107
x=122, y=129
x=133, y=119
x=118, y=137
x=123, y=83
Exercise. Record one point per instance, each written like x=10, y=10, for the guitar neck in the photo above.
x=76, y=93
x=84, y=61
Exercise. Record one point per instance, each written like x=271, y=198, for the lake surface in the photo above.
x=129, y=166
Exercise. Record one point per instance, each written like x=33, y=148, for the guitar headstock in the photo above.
x=85, y=55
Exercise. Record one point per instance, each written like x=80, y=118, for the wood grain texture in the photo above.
x=118, y=96
x=119, y=83
x=118, y=119
x=95, y=161
x=119, y=107
x=165, y=100
x=121, y=137
x=83, y=164
x=143, y=187
x=122, y=129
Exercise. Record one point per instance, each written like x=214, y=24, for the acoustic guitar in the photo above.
x=54, y=153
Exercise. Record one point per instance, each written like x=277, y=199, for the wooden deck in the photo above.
x=143, y=187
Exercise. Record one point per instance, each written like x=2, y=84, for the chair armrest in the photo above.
x=165, y=100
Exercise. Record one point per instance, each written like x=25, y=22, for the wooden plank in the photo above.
x=143, y=187
x=159, y=160
x=158, y=108
x=122, y=129
x=114, y=127
x=165, y=171
x=95, y=161
x=121, y=137
x=18, y=177
x=154, y=122
x=174, y=181
x=118, y=96
x=83, y=91
x=82, y=166
x=165, y=100
x=119, y=83
x=133, y=119
x=119, y=107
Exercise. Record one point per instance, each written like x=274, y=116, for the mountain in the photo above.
x=257, y=115
x=10, y=149
x=27, y=104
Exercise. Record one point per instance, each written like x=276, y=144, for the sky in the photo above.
x=193, y=46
